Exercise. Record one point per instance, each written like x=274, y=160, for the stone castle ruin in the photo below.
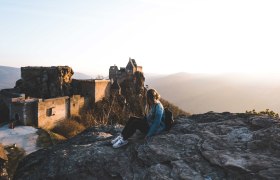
x=122, y=74
x=45, y=95
x=128, y=82
x=45, y=82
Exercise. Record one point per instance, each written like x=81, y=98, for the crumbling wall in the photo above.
x=102, y=89
x=45, y=82
x=76, y=104
x=7, y=96
x=113, y=72
x=16, y=112
x=31, y=113
x=51, y=111
x=94, y=89
x=24, y=112
x=84, y=88
x=139, y=69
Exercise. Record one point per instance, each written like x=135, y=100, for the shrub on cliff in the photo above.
x=175, y=109
x=267, y=112
x=117, y=110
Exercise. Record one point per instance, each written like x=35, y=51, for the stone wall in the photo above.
x=25, y=112
x=51, y=111
x=102, y=89
x=139, y=69
x=7, y=96
x=113, y=72
x=76, y=104
x=45, y=113
x=84, y=88
x=31, y=113
x=94, y=89
x=17, y=112
x=45, y=82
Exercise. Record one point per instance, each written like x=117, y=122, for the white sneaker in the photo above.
x=116, y=139
x=120, y=143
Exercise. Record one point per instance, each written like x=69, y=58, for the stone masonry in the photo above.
x=45, y=82
x=45, y=95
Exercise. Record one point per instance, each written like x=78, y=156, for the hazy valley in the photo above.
x=199, y=93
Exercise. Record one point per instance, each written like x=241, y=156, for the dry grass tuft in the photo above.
x=68, y=128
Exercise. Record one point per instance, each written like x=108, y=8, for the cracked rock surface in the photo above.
x=203, y=146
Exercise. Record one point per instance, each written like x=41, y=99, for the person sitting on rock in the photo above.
x=151, y=124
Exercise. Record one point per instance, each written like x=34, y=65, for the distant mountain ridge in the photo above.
x=9, y=76
x=199, y=93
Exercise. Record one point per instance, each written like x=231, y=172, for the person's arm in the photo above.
x=156, y=121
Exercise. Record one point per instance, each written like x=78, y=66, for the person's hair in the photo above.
x=153, y=95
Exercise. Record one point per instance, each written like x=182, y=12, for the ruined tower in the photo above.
x=45, y=82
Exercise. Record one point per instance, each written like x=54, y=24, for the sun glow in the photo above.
x=163, y=36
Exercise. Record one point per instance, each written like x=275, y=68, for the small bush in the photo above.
x=175, y=109
x=117, y=110
x=86, y=119
x=68, y=128
x=267, y=112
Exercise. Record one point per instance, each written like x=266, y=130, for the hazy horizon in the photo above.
x=163, y=36
x=199, y=93
x=248, y=75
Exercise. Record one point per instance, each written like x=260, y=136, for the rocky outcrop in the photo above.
x=45, y=82
x=3, y=163
x=207, y=146
x=134, y=92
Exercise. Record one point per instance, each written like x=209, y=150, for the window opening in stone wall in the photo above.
x=50, y=112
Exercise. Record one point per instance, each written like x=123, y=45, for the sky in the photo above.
x=163, y=36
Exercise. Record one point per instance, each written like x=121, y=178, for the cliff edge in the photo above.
x=205, y=146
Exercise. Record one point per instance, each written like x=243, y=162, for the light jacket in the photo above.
x=155, y=119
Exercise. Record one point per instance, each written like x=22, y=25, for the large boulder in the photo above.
x=206, y=146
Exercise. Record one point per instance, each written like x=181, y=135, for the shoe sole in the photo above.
x=114, y=141
x=120, y=145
